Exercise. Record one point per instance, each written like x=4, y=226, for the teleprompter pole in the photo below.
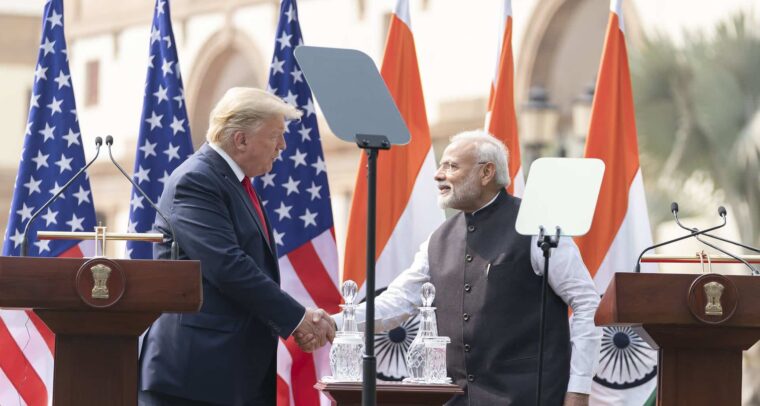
x=546, y=242
x=372, y=144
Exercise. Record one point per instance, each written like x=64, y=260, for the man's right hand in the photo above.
x=315, y=330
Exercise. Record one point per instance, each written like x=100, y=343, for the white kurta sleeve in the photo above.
x=571, y=281
x=402, y=298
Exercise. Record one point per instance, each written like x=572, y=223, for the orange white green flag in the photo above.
x=407, y=211
x=501, y=121
x=626, y=374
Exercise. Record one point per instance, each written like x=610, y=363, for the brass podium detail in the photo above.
x=714, y=291
x=712, y=298
x=100, y=282
x=100, y=274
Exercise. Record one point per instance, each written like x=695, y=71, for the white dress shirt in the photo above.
x=568, y=278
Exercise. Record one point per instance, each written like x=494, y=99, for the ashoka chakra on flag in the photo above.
x=625, y=360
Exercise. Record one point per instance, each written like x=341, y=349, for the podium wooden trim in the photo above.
x=389, y=393
x=96, y=348
x=699, y=363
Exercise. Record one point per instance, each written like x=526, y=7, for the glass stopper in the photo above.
x=349, y=290
x=428, y=294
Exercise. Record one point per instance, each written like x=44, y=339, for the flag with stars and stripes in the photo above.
x=52, y=154
x=297, y=199
x=164, y=140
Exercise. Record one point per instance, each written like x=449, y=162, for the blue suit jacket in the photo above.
x=225, y=353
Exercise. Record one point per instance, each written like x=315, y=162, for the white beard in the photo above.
x=466, y=192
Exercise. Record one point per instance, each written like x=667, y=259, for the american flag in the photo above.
x=164, y=140
x=52, y=154
x=297, y=199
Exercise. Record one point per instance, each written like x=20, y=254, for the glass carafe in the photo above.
x=416, y=356
x=348, y=345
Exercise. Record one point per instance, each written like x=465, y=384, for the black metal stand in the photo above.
x=372, y=144
x=546, y=242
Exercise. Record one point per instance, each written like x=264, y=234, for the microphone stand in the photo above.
x=696, y=235
x=24, y=248
x=738, y=244
x=747, y=264
x=174, y=247
x=722, y=213
x=693, y=233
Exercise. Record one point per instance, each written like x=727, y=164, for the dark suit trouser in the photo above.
x=151, y=398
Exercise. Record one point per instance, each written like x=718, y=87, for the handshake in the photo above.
x=315, y=330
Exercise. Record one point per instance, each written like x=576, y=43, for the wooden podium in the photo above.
x=97, y=309
x=701, y=324
x=389, y=393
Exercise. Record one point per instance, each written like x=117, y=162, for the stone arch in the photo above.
x=562, y=46
x=229, y=58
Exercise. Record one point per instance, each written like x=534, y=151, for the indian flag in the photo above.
x=501, y=121
x=407, y=210
x=626, y=374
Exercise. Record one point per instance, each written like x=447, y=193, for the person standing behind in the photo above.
x=226, y=353
x=488, y=282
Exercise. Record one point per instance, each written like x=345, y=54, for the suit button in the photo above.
x=466, y=317
x=470, y=228
x=468, y=258
x=471, y=378
x=467, y=287
x=467, y=348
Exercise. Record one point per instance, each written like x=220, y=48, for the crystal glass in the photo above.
x=435, y=362
x=428, y=294
x=416, y=355
x=346, y=356
x=348, y=347
x=348, y=290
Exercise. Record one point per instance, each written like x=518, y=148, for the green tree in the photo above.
x=698, y=116
x=697, y=111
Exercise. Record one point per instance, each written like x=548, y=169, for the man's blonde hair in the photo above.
x=243, y=108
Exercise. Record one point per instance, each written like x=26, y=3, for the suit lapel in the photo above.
x=242, y=194
x=220, y=164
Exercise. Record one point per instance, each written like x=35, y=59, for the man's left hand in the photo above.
x=576, y=399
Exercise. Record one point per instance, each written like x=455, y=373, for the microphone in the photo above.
x=693, y=232
x=722, y=214
x=24, y=248
x=174, y=247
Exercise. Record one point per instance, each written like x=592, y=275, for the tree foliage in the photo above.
x=698, y=118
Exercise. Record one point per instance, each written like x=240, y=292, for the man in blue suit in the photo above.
x=226, y=353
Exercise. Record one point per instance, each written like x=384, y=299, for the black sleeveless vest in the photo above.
x=492, y=317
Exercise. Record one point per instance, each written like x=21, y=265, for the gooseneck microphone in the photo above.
x=24, y=247
x=722, y=214
x=174, y=246
x=674, y=208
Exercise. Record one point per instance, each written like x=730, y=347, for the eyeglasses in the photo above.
x=451, y=167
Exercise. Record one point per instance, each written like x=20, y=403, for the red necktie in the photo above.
x=256, y=205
